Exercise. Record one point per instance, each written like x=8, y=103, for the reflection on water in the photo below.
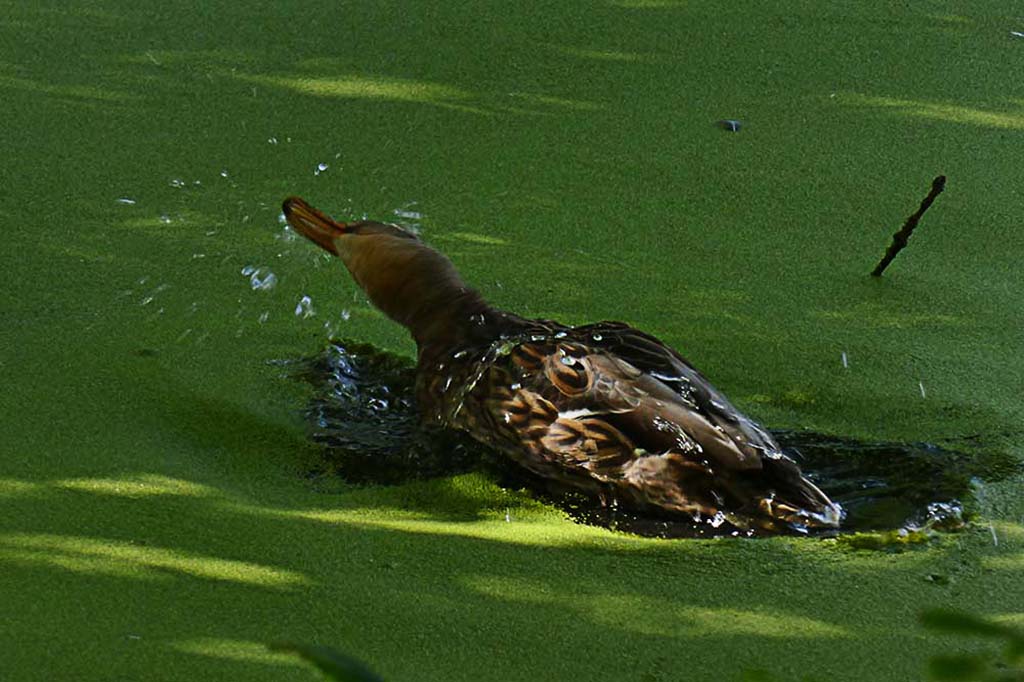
x=363, y=412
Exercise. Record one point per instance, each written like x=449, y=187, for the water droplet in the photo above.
x=320, y=168
x=126, y=200
x=177, y=182
x=846, y=363
x=345, y=315
x=272, y=140
x=165, y=219
x=920, y=385
x=282, y=219
x=198, y=255
x=246, y=271
x=404, y=213
x=224, y=173
x=287, y=234
x=262, y=280
x=305, y=307
x=197, y=183
x=560, y=335
x=147, y=300
x=264, y=316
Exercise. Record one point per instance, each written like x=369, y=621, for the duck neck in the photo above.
x=452, y=320
x=420, y=288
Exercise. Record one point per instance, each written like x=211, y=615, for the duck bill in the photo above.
x=312, y=224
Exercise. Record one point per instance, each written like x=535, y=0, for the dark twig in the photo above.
x=899, y=240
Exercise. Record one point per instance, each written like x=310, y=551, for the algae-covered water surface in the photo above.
x=166, y=512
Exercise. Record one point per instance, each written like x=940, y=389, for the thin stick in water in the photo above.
x=899, y=240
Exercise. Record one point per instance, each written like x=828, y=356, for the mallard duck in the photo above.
x=603, y=408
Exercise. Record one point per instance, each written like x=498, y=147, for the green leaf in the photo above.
x=953, y=668
x=334, y=664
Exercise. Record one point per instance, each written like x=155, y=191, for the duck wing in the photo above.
x=749, y=442
x=607, y=408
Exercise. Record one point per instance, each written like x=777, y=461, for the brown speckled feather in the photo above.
x=615, y=412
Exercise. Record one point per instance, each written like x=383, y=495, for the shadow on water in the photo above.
x=363, y=413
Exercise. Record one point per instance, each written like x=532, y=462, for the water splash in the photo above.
x=408, y=214
x=364, y=412
x=304, y=308
x=287, y=234
x=260, y=278
x=321, y=168
x=263, y=280
x=409, y=218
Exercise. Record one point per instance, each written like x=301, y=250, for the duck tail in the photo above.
x=796, y=500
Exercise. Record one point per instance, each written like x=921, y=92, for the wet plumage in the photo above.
x=602, y=408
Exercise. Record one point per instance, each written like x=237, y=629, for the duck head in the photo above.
x=410, y=282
